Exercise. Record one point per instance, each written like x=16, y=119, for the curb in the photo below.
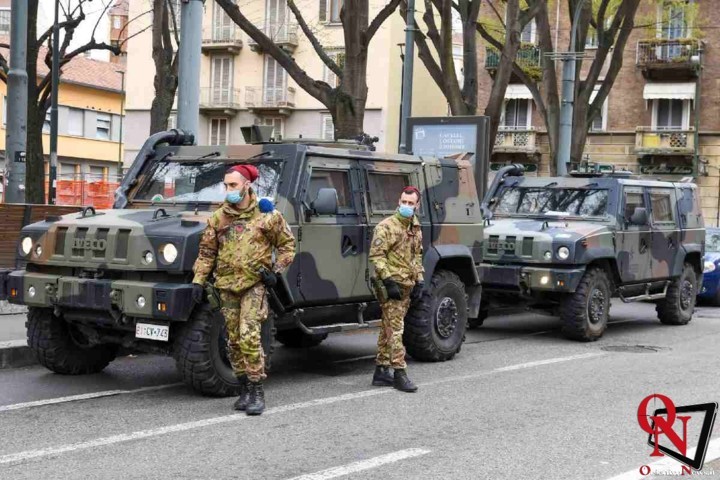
x=15, y=354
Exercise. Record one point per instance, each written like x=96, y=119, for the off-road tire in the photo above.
x=296, y=338
x=426, y=337
x=674, y=309
x=584, y=314
x=59, y=350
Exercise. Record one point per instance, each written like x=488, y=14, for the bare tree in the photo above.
x=346, y=102
x=164, y=54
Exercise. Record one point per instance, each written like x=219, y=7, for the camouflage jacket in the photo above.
x=396, y=250
x=237, y=244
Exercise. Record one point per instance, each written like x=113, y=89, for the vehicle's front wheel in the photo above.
x=584, y=314
x=679, y=303
x=435, y=324
x=60, y=347
x=296, y=338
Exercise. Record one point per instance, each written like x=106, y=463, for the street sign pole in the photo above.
x=54, y=107
x=407, y=80
x=189, y=66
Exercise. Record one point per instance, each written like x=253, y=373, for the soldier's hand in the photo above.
x=197, y=293
x=268, y=278
x=393, y=289
x=417, y=291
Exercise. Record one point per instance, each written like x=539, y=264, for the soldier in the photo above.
x=238, y=245
x=396, y=254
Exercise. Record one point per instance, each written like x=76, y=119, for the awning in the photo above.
x=517, y=91
x=679, y=91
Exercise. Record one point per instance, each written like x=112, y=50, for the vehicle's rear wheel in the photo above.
x=435, y=324
x=60, y=347
x=679, y=303
x=296, y=338
x=584, y=314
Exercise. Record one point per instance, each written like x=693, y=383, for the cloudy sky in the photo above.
x=93, y=12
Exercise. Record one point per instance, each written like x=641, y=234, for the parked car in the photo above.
x=710, y=290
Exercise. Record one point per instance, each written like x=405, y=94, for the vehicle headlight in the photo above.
x=38, y=251
x=31, y=292
x=169, y=252
x=26, y=245
x=709, y=267
x=563, y=253
x=140, y=301
x=548, y=255
x=148, y=258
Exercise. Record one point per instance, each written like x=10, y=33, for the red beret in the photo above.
x=411, y=189
x=248, y=171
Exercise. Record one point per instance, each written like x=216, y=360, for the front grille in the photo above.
x=527, y=246
x=493, y=243
x=101, y=234
x=510, y=245
x=121, y=244
x=80, y=234
x=60, y=237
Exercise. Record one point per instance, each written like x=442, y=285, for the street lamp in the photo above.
x=54, y=106
x=122, y=116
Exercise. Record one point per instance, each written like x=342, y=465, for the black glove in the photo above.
x=268, y=278
x=393, y=289
x=197, y=293
x=417, y=291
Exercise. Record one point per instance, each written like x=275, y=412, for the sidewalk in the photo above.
x=14, y=351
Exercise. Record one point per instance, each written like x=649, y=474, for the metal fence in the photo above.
x=82, y=189
x=220, y=98
x=667, y=51
x=269, y=97
x=525, y=57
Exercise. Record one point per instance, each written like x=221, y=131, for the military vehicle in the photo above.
x=571, y=243
x=98, y=280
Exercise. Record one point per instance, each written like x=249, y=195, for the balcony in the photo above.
x=270, y=99
x=283, y=34
x=527, y=58
x=651, y=141
x=220, y=100
x=224, y=39
x=663, y=59
x=516, y=140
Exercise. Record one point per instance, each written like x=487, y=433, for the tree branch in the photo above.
x=331, y=64
x=171, y=9
x=379, y=19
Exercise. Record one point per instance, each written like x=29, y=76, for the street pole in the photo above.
x=17, y=98
x=407, y=80
x=122, y=116
x=54, y=106
x=568, y=98
x=402, y=78
x=189, y=66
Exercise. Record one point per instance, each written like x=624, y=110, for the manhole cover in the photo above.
x=633, y=348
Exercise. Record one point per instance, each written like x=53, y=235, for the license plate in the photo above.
x=152, y=332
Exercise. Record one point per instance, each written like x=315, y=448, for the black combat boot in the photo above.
x=382, y=377
x=402, y=382
x=242, y=401
x=256, y=402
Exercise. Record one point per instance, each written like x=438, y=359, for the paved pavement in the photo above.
x=518, y=402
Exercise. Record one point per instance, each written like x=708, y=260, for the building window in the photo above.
x=330, y=10
x=277, y=124
x=98, y=173
x=674, y=21
x=275, y=87
x=517, y=114
x=172, y=121
x=76, y=122
x=599, y=123
x=328, y=128
x=102, y=129
x=47, y=123
x=328, y=75
x=528, y=33
x=5, y=21
x=69, y=171
x=671, y=114
x=222, y=68
x=117, y=22
x=218, y=131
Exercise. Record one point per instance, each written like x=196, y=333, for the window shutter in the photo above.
x=323, y=11
x=328, y=129
x=222, y=132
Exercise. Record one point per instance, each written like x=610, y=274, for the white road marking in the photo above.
x=83, y=396
x=182, y=427
x=363, y=464
x=668, y=464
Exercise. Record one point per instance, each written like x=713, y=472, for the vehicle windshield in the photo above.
x=185, y=182
x=712, y=241
x=538, y=201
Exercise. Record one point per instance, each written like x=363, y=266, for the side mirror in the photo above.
x=639, y=217
x=326, y=202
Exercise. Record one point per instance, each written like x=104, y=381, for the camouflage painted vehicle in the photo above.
x=99, y=280
x=571, y=243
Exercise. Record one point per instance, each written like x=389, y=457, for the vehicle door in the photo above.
x=634, y=241
x=330, y=262
x=665, y=232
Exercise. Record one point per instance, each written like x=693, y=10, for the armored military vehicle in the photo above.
x=98, y=280
x=571, y=243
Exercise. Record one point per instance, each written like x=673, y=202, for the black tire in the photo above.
x=59, y=347
x=677, y=308
x=296, y=338
x=435, y=324
x=584, y=314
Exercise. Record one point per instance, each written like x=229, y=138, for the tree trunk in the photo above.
x=35, y=160
x=166, y=79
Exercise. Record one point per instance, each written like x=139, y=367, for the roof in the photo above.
x=80, y=70
x=121, y=7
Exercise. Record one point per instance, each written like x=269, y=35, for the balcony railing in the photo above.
x=217, y=37
x=269, y=97
x=527, y=58
x=515, y=139
x=671, y=56
x=283, y=34
x=664, y=141
x=220, y=99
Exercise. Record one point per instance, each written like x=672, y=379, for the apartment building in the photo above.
x=242, y=85
x=662, y=117
x=118, y=16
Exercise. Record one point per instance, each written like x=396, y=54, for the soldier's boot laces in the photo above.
x=382, y=377
x=402, y=382
x=256, y=402
x=242, y=402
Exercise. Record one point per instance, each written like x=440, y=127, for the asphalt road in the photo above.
x=518, y=402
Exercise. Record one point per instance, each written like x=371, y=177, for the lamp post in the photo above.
x=402, y=78
x=122, y=117
x=407, y=79
x=54, y=107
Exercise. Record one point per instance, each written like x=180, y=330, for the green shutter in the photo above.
x=323, y=10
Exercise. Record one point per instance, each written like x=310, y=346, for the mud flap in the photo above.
x=267, y=338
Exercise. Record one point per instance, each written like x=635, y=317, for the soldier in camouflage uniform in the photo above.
x=238, y=245
x=396, y=254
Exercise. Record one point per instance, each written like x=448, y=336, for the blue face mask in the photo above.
x=234, y=196
x=406, y=211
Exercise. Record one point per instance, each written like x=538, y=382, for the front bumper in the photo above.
x=166, y=301
x=527, y=280
x=709, y=286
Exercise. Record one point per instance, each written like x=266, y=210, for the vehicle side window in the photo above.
x=337, y=179
x=633, y=200
x=661, y=204
x=385, y=189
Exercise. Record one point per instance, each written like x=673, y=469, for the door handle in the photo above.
x=348, y=247
x=671, y=243
x=643, y=246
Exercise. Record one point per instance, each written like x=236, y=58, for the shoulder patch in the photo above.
x=378, y=242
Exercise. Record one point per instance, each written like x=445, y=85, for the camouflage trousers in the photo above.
x=244, y=314
x=391, y=351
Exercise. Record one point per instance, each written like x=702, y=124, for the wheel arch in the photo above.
x=459, y=260
x=610, y=266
